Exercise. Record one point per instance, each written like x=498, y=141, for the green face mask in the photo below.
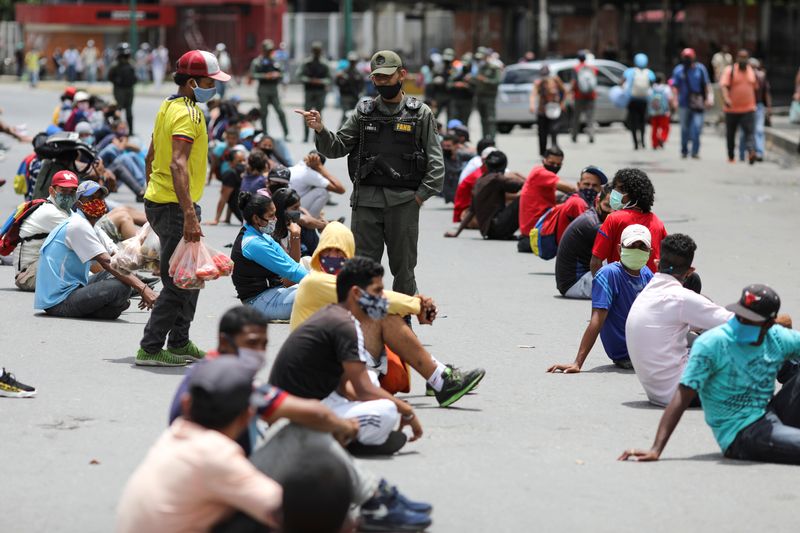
x=633, y=258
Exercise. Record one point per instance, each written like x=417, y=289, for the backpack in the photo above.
x=543, y=235
x=641, y=83
x=587, y=80
x=9, y=233
x=658, y=104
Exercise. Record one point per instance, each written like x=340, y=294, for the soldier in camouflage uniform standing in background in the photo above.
x=315, y=75
x=486, y=82
x=122, y=76
x=461, y=88
x=351, y=84
x=395, y=161
x=269, y=74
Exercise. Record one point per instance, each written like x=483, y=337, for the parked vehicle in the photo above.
x=513, y=95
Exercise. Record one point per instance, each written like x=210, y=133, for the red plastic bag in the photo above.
x=194, y=263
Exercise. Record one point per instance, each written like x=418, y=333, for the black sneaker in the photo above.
x=393, y=444
x=457, y=384
x=11, y=388
x=624, y=364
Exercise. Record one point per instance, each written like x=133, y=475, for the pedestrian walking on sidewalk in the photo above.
x=739, y=85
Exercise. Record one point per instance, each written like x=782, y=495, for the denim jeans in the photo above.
x=275, y=303
x=174, y=310
x=691, y=128
x=758, y=134
x=105, y=297
x=775, y=437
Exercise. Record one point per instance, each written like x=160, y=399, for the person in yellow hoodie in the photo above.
x=318, y=289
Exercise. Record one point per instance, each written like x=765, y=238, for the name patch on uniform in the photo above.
x=403, y=127
x=370, y=127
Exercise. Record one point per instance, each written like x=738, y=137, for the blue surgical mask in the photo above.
x=615, y=200
x=744, y=333
x=203, y=95
x=376, y=307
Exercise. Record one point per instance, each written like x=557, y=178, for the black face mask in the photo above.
x=588, y=195
x=742, y=64
x=447, y=153
x=239, y=168
x=388, y=92
x=687, y=62
x=552, y=168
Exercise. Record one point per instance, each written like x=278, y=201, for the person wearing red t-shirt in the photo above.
x=632, y=198
x=463, y=198
x=539, y=194
x=590, y=185
x=585, y=77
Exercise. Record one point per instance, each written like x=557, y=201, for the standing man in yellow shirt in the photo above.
x=176, y=175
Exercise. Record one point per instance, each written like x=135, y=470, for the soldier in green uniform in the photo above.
x=461, y=87
x=486, y=82
x=351, y=84
x=315, y=75
x=441, y=75
x=122, y=76
x=269, y=74
x=395, y=162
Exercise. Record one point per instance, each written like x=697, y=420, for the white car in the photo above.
x=512, y=105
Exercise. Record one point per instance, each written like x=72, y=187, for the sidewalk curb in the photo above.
x=783, y=142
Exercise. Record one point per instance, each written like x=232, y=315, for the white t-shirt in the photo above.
x=471, y=166
x=303, y=179
x=656, y=330
x=43, y=220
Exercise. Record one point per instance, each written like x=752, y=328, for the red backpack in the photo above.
x=9, y=233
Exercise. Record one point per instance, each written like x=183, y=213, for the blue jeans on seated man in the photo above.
x=105, y=297
x=275, y=303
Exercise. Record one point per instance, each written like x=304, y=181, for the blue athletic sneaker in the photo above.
x=391, y=492
x=386, y=513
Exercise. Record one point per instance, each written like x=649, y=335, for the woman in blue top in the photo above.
x=264, y=275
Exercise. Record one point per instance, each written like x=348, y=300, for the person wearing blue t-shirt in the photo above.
x=614, y=288
x=691, y=85
x=733, y=368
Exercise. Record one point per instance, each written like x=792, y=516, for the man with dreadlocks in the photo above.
x=632, y=199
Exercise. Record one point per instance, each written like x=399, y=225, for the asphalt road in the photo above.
x=529, y=452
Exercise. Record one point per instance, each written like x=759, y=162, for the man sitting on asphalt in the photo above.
x=37, y=226
x=660, y=318
x=539, y=194
x=495, y=201
x=463, y=197
x=590, y=183
x=195, y=475
x=454, y=160
x=326, y=359
x=477, y=160
x=63, y=286
x=573, y=275
x=614, y=289
x=301, y=427
x=632, y=198
x=314, y=183
x=732, y=368
x=318, y=289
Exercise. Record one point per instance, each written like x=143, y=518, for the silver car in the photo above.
x=513, y=95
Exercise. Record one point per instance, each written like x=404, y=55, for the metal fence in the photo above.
x=413, y=35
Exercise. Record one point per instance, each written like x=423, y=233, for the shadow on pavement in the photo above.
x=608, y=369
x=168, y=370
x=642, y=404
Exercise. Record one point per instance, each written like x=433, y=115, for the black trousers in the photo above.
x=547, y=128
x=505, y=222
x=733, y=121
x=775, y=437
x=637, y=111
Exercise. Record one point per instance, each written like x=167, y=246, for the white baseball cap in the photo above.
x=635, y=233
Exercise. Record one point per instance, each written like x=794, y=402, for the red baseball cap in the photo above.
x=66, y=179
x=688, y=52
x=201, y=63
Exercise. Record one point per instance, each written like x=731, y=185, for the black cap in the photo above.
x=221, y=389
x=758, y=303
